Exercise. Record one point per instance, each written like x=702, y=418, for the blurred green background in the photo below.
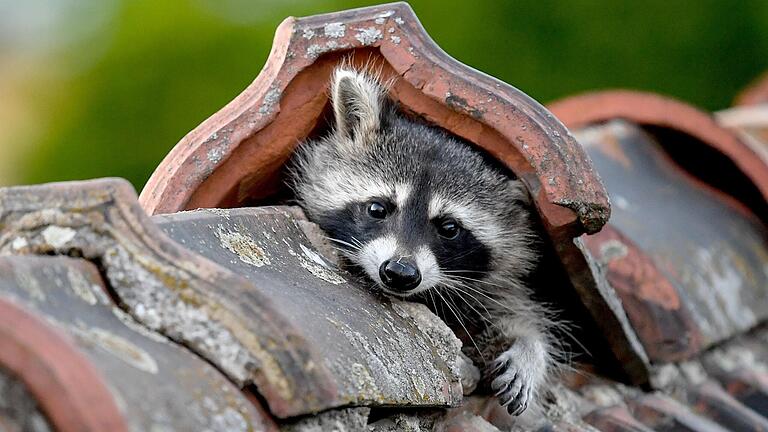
x=92, y=88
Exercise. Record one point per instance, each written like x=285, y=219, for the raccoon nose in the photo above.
x=400, y=275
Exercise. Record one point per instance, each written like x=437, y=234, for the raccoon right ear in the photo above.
x=519, y=191
x=357, y=103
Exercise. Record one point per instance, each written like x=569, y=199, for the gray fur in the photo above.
x=374, y=151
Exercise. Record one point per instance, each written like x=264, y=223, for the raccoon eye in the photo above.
x=448, y=228
x=377, y=210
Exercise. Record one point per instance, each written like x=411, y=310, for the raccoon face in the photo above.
x=410, y=206
x=403, y=245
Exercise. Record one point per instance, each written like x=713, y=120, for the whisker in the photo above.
x=460, y=323
x=357, y=242
x=432, y=297
x=459, y=292
x=353, y=246
x=345, y=252
x=463, y=254
x=495, y=301
x=467, y=271
x=469, y=279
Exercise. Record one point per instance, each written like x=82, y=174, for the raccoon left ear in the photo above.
x=357, y=102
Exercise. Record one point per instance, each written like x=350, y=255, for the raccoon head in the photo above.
x=409, y=205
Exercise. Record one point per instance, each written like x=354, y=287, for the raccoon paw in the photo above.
x=518, y=372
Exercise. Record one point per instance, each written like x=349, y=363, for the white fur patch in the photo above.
x=347, y=189
x=375, y=253
x=402, y=192
x=430, y=270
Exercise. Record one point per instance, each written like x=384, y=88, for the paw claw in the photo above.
x=498, y=365
x=517, y=410
x=505, y=399
x=501, y=384
x=520, y=402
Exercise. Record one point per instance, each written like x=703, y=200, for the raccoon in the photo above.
x=423, y=216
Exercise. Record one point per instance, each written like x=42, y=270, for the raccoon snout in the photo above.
x=400, y=275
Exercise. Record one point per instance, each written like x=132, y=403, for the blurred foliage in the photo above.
x=118, y=83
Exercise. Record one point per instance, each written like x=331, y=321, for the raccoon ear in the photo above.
x=519, y=191
x=357, y=103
